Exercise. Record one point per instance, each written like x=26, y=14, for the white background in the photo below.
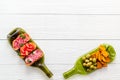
x=64, y=29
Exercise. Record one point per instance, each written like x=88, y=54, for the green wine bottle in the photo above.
x=93, y=60
x=28, y=50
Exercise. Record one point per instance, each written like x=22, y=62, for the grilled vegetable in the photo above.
x=93, y=60
x=28, y=50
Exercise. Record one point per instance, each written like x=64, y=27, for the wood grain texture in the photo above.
x=22, y=72
x=59, y=51
x=63, y=26
x=60, y=55
x=64, y=30
x=60, y=6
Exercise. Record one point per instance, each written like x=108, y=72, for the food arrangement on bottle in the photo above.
x=93, y=60
x=28, y=50
x=33, y=56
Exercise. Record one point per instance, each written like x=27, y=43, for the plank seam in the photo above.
x=52, y=14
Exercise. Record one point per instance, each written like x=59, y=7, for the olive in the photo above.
x=84, y=64
x=95, y=67
x=90, y=59
x=88, y=70
x=88, y=56
x=95, y=64
x=87, y=65
x=94, y=60
x=86, y=60
x=91, y=67
x=83, y=58
x=90, y=63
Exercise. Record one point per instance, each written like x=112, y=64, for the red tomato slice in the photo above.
x=27, y=48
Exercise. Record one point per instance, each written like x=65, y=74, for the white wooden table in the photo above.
x=64, y=29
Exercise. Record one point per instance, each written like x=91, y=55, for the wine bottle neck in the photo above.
x=44, y=68
x=69, y=73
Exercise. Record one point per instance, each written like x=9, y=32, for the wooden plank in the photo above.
x=60, y=7
x=63, y=26
x=22, y=72
x=57, y=51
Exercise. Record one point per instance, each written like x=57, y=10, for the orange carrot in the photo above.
x=105, y=53
x=107, y=59
x=102, y=57
x=99, y=65
x=105, y=65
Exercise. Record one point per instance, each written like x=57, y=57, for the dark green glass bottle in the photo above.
x=28, y=50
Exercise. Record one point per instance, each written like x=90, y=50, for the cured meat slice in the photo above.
x=20, y=41
x=30, y=59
